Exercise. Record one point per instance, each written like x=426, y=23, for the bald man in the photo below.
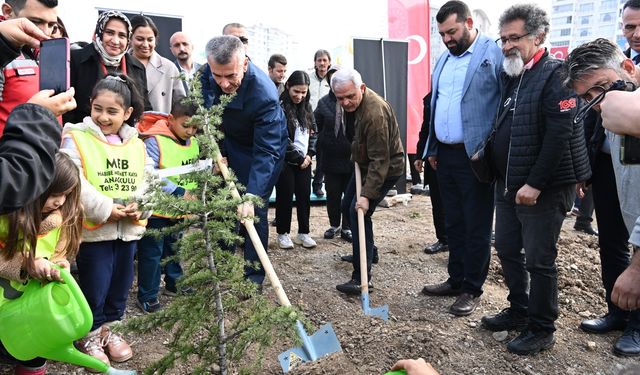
x=239, y=30
x=182, y=49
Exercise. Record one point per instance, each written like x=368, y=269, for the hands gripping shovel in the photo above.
x=382, y=311
x=321, y=343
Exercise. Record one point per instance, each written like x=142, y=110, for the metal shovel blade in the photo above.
x=381, y=312
x=115, y=371
x=320, y=344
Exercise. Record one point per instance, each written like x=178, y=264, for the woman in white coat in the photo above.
x=163, y=81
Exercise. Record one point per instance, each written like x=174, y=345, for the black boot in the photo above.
x=531, y=342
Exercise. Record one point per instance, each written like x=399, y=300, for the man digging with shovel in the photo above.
x=377, y=149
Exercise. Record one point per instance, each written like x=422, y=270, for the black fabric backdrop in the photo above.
x=383, y=66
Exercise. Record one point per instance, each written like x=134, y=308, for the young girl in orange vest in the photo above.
x=56, y=242
x=112, y=162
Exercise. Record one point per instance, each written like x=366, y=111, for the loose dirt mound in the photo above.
x=419, y=326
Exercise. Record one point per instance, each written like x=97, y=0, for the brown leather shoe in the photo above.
x=442, y=289
x=92, y=345
x=464, y=305
x=116, y=348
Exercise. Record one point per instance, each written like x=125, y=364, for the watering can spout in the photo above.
x=44, y=321
x=69, y=354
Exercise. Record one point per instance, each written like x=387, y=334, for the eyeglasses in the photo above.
x=244, y=39
x=595, y=94
x=512, y=39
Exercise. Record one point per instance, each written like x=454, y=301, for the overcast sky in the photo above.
x=315, y=24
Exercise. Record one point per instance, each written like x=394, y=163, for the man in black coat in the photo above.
x=32, y=134
x=431, y=178
x=539, y=154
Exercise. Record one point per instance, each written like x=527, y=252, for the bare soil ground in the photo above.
x=419, y=326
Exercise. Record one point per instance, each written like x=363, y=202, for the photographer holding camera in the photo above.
x=595, y=70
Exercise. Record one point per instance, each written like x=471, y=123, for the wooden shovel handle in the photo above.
x=364, y=279
x=255, y=238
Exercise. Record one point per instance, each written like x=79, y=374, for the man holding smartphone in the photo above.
x=19, y=80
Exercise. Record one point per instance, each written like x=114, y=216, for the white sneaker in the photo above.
x=284, y=241
x=305, y=240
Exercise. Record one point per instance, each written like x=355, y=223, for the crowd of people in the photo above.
x=508, y=130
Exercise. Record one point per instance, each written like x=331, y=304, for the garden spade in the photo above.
x=382, y=311
x=321, y=343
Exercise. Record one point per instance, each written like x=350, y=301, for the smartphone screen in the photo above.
x=54, y=65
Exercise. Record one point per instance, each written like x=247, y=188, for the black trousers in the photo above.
x=293, y=180
x=336, y=185
x=437, y=210
x=468, y=204
x=532, y=275
x=613, y=235
x=318, y=177
x=349, y=205
x=415, y=175
x=587, y=207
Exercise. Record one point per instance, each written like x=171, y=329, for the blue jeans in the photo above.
x=151, y=251
x=349, y=204
x=532, y=275
x=106, y=274
x=468, y=207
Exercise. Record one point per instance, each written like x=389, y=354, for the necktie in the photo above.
x=636, y=59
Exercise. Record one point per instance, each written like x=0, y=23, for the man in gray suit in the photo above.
x=466, y=92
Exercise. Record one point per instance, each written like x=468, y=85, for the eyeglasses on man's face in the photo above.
x=513, y=39
x=596, y=93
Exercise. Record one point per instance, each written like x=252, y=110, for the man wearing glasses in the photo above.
x=592, y=70
x=20, y=79
x=539, y=154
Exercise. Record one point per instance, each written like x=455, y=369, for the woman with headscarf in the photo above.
x=163, y=78
x=106, y=54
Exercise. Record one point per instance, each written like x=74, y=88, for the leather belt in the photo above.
x=453, y=146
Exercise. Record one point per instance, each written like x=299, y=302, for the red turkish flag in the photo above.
x=409, y=20
x=560, y=52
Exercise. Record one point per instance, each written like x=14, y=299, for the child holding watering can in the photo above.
x=59, y=214
x=112, y=160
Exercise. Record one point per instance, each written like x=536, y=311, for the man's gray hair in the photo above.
x=597, y=54
x=223, y=48
x=536, y=20
x=346, y=75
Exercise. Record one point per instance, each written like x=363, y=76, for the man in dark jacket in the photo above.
x=335, y=137
x=377, y=149
x=32, y=133
x=19, y=80
x=589, y=69
x=254, y=127
x=540, y=155
x=431, y=179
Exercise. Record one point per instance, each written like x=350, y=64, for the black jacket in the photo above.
x=86, y=72
x=547, y=149
x=28, y=147
x=424, y=130
x=294, y=156
x=336, y=150
x=7, y=52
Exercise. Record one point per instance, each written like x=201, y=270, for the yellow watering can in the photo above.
x=45, y=321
